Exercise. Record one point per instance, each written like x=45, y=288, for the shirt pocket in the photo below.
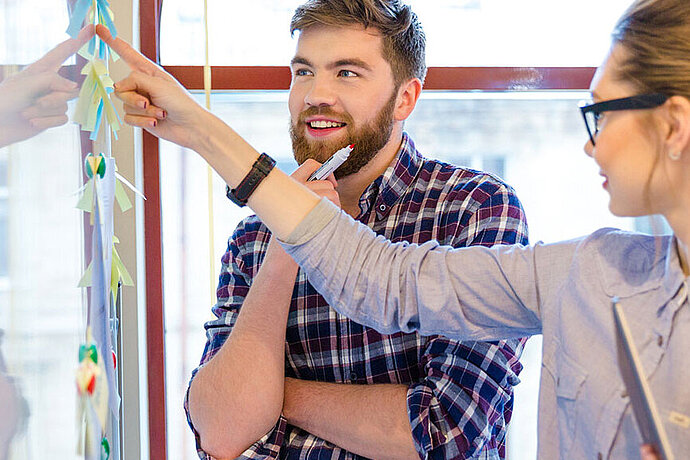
x=570, y=380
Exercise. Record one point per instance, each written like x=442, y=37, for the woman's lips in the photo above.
x=605, y=184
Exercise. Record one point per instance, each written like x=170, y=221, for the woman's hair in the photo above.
x=403, y=38
x=656, y=36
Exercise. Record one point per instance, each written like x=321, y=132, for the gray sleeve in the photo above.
x=472, y=293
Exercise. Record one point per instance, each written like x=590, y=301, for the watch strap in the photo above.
x=260, y=169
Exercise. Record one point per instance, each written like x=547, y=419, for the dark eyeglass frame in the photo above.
x=641, y=101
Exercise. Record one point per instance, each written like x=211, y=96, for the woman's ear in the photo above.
x=677, y=121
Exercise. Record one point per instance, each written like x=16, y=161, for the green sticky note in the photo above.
x=121, y=197
x=85, y=280
x=86, y=201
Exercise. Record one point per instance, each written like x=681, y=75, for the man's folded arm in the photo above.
x=453, y=412
x=368, y=420
x=236, y=395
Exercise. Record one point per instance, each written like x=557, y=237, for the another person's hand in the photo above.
x=153, y=99
x=36, y=98
x=323, y=188
x=647, y=452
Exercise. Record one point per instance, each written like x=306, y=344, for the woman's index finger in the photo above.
x=132, y=57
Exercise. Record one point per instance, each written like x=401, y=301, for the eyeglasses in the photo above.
x=592, y=112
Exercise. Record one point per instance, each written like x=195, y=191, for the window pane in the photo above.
x=41, y=309
x=534, y=141
x=4, y=247
x=4, y=207
x=471, y=33
x=538, y=138
x=20, y=43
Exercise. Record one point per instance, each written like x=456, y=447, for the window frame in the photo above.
x=499, y=79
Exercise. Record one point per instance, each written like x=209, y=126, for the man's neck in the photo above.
x=351, y=188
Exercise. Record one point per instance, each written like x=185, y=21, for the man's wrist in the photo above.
x=289, y=387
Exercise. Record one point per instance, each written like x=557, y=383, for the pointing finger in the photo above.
x=135, y=60
x=52, y=61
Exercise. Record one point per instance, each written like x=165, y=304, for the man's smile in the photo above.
x=318, y=126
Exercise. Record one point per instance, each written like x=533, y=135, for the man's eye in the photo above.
x=301, y=72
x=347, y=73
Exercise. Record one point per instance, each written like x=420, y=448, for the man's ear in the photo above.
x=677, y=120
x=408, y=93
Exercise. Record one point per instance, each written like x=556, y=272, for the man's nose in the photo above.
x=320, y=93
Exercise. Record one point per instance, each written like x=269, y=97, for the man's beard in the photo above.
x=368, y=139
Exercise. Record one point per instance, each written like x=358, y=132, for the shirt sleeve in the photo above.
x=464, y=403
x=488, y=293
x=240, y=263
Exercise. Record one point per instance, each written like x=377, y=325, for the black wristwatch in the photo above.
x=260, y=169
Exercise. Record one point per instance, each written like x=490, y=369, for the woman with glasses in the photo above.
x=639, y=135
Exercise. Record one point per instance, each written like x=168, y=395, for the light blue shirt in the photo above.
x=561, y=290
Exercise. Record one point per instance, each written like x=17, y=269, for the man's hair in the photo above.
x=403, y=38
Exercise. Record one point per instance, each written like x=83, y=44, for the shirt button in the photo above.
x=624, y=394
x=660, y=341
x=382, y=208
x=353, y=377
x=599, y=456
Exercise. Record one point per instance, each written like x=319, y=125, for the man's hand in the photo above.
x=153, y=99
x=323, y=188
x=36, y=98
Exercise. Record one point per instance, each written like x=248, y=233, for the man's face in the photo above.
x=342, y=93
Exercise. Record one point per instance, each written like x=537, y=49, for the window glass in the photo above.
x=3, y=170
x=4, y=247
x=40, y=304
x=21, y=42
x=41, y=308
x=468, y=33
x=532, y=140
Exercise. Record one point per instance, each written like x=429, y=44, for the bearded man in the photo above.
x=285, y=376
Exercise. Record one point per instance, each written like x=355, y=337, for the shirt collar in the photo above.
x=387, y=189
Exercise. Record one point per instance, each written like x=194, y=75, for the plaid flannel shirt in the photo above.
x=460, y=394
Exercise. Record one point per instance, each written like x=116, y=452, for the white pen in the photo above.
x=332, y=163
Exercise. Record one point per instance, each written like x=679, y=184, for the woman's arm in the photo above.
x=472, y=293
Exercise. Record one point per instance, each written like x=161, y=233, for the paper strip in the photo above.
x=122, y=198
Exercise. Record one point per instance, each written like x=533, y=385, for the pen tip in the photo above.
x=351, y=146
